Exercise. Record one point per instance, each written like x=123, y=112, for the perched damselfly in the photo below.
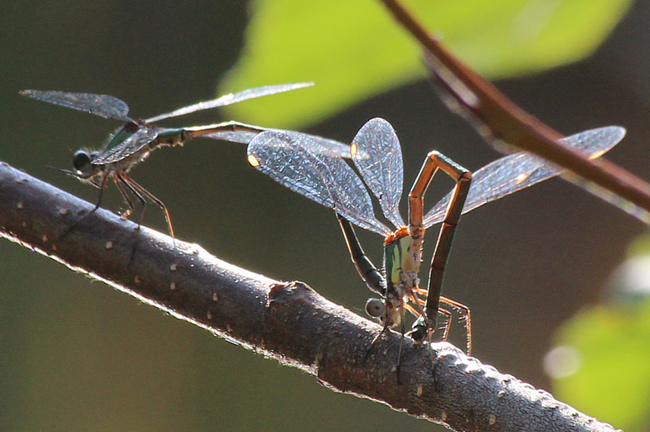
x=132, y=142
x=294, y=160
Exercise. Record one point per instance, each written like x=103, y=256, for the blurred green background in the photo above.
x=79, y=356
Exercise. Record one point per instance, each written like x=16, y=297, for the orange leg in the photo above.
x=411, y=309
x=466, y=316
x=445, y=333
x=432, y=163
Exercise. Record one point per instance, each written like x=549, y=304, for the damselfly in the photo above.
x=132, y=142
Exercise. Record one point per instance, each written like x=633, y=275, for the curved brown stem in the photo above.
x=499, y=120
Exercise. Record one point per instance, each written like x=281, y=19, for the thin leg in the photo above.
x=101, y=186
x=118, y=183
x=367, y=270
x=124, y=183
x=465, y=315
x=449, y=316
x=133, y=185
x=418, y=302
x=421, y=327
x=411, y=309
x=433, y=162
x=121, y=184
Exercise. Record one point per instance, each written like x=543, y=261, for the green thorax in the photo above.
x=396, y=255
x=121, y=135
x=165, y=136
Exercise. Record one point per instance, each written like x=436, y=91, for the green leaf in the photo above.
x=353, y=50
x=612, y=381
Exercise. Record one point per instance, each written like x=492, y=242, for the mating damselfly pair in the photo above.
x=316, y=168
x=299, y=163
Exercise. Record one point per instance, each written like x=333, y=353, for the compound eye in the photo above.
x=375, y=308
x=80, y=160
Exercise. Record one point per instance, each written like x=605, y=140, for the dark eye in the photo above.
x=80, y=160
x=375, y=308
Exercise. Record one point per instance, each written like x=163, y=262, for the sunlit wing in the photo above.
x=230, y=99
x=101, y=105
x=521, y=170
x=327, y=147
x=128, y=147
x=381, y=165
x=297, y=162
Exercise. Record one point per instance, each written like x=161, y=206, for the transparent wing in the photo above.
x=378, y=157
x=128, y=147
x=298, y=162
x=102, y=105
x=230, y=99
x=326, y=147
x=521, y=170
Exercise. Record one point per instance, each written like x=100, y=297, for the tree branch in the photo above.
x=289, y=322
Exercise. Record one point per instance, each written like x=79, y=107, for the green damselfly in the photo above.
x=132, y=142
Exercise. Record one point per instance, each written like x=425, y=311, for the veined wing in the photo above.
x=326, y=147
x=128, y=147
x=230, y=99
x=298, y=162
x=521, y=170
x=102, y=105
x=378, y=157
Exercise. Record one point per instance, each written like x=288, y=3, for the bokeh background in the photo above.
x=79, y=356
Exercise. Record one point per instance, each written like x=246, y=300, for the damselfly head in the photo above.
x=375, y=308
x=81, y=160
